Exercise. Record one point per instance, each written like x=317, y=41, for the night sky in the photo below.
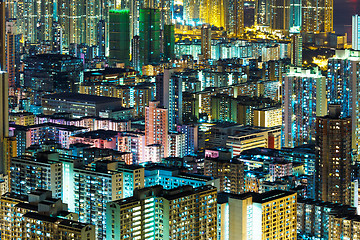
x=343, y=10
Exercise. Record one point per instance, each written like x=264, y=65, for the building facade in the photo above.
x=333, y=157
x=270, y=215
x=304, y=98
x=156, y=126
x=154, y=213
x=38, y=215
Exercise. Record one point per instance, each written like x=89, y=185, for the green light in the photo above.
x=119, y=11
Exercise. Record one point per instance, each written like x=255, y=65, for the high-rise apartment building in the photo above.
x=191, y=138
x=143, y=94
x=149, y=28
x=154, y=213
x=36, y=20
x=85, y=189
x=296, y=50
x=101, y=37
x=268, y=117
x=2, y=35
x=229, y=170
x=156, y=126
x=12, y=54
x=191, y=10
x=295, y=16
x=212, y=12
x=57, y=36
x=333, y=157
x=169, y=94
x=176, y=146
x=190, y=106
x=224, y=108
x=356, y=32
x=344, y=226
x=315, y=218
x=206, y=41
x=79, y=19
x=234, y=17
x=4, y=119
x=169, y=42
x=342, y=88
x=317, y=16
x=107, y=183
x=53, y=73
x=263, y=13
x=119, y=36
x=280, y=15
x=304, y=98
x=269, y=215
x=38, y=215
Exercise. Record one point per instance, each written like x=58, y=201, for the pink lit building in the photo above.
x=156, y=126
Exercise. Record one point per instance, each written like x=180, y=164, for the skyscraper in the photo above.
x=206, y=41
x=2, y=35
x=333, y=156
x=57, y=36
x=356, y=32
x=4, y=120
x=234, y=17
x=191, y=10
x=156, y=126
x=304, y=98
x=149, y=36
x=135, y=53
x=317, y=16
x=169, y=94
x=119, y=36
x=45, y=17
x=296, y=50
x=79, y=19
x=101, y=38
x=342, y=88
x=212, y=12
x=12, y=54
x=295, y=16
x=280, y=15
x=263, y=13
x=169, y=42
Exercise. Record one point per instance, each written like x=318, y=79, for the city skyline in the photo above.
x=193, y=119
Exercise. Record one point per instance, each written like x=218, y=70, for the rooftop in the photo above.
x=107, y=71
x=167, y=194
x=72, y=224
x=98, y=134
x=77, y=97
x=257, y=197
x=54, y=125
x=51, y=56
x=41, y=217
